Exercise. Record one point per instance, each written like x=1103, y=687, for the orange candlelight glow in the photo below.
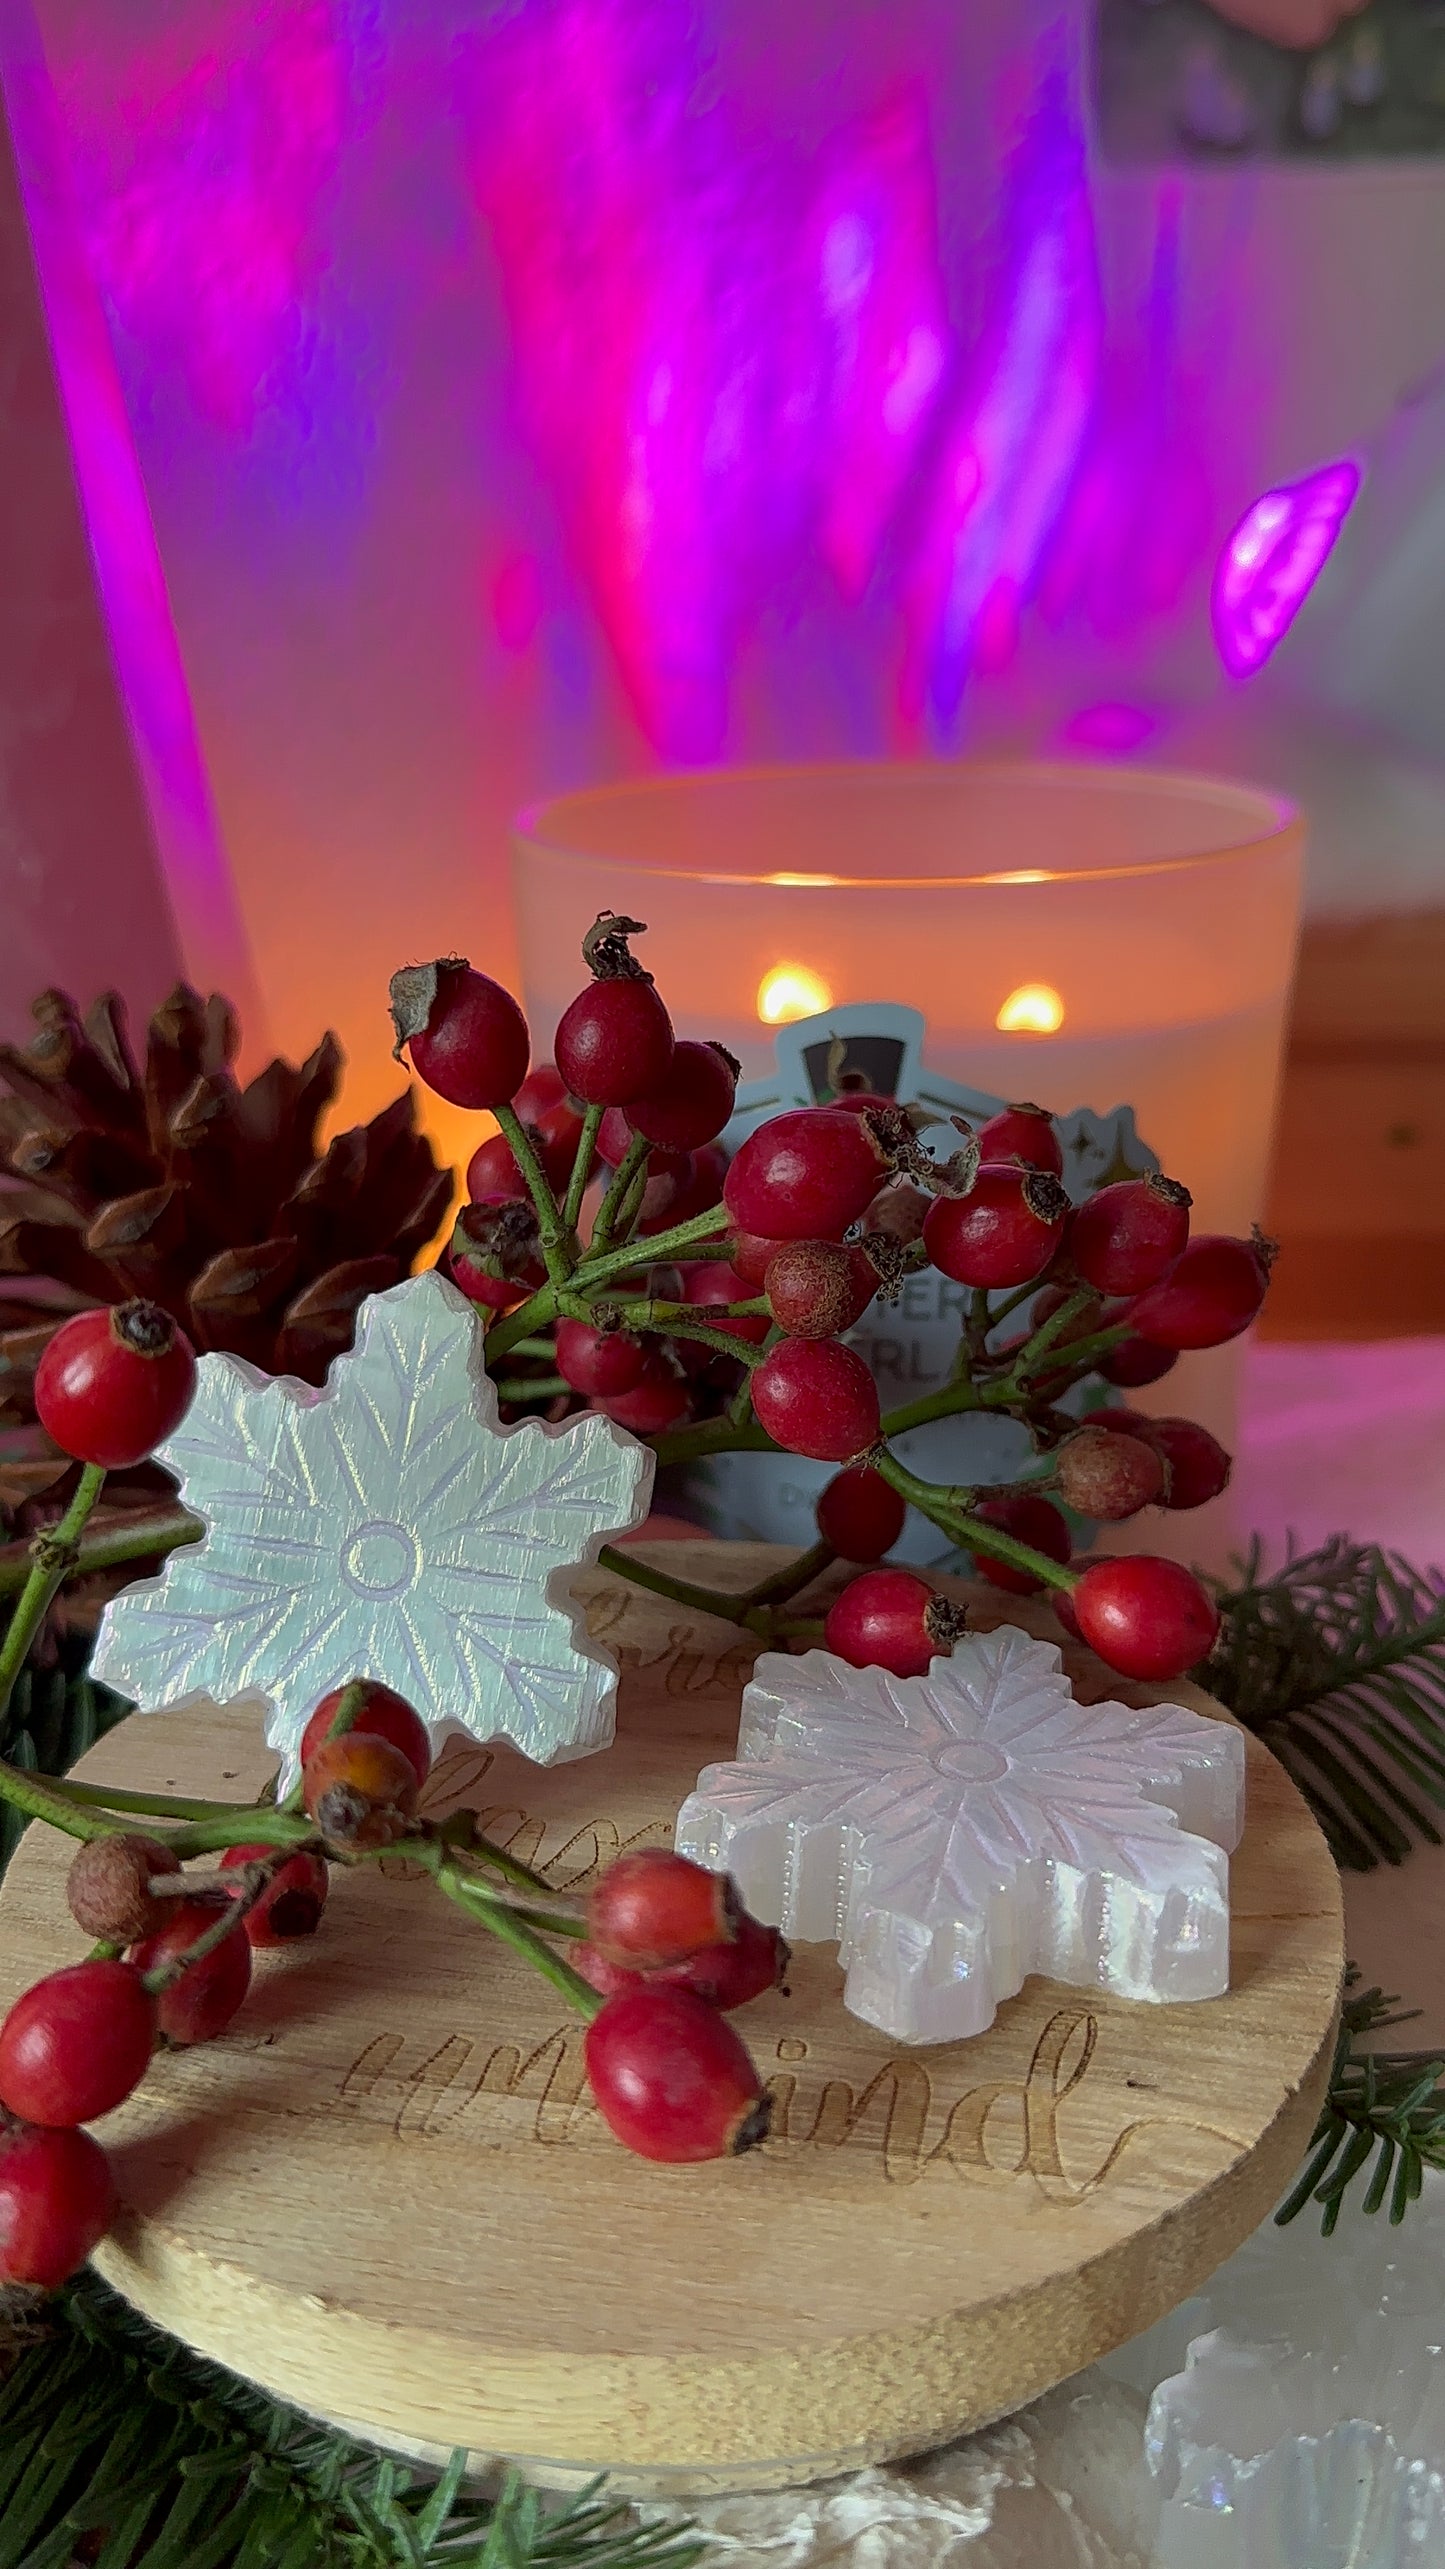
x=1033, y=1009
x=789, y=991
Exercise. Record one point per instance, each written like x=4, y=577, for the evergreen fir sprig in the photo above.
x=1385, y=2106
x=117, y=2442
x=1337, y=1662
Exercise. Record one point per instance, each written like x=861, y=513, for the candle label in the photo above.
x=909, y=1345
x=958, y=1831
x=386, y=1526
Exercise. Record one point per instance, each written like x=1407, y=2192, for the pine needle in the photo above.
x=1389, y=2106
x=116, y=2438
x=1337, y=1662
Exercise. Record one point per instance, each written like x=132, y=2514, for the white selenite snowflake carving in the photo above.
x=956, y=1832
x=385, y=1526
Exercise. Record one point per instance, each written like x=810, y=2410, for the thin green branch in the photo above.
x=559, y=1246
x=133, y=1538
x=581, y=1167
x=52, y=1559
x=509, y=1927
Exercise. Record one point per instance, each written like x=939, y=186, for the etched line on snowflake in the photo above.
x=387, y=1526
x=959, y=1831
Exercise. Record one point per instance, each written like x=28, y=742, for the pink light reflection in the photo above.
x=202, y=222
x=726, y=356
x=1271, y=561
x=1019, y=423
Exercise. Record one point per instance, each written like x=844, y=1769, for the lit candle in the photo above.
x=1083, y=935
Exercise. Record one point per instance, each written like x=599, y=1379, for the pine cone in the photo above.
x=207, y=1197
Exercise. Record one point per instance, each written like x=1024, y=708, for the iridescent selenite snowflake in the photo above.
x=385, y=1526
x=1301, y=2417
x=956, y=1832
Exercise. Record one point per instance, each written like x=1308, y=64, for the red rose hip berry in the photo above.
x=200, y=2004
x=818, y=1288
x=360, y=1790
x=711, y=1282
x=495, y=1252
x=654, y=1907
x=112, y=1384
x=615, y=1042
x=1134, y=1362
x=891, y=1619
x=1026, y=1133
x=727, y=1976
x=806, y=1174
x=659, y=1399
x=57, y=2201
x=1128, y=1236
x=74, y=2046
x=694, y=1101
x=671, y=2079
x=380, y=1712
x=817, y=1397
x=1212, y=1294
x=1003, y=1232
x=1146, y=1617
x=599, y=1363
x=1196, y=1466
x=751, y=1253
x=1030, y=1519
x=467, y=1036
x=860, y=1515
x=291, y=1904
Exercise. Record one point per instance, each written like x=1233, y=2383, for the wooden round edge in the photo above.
x=637, y=2418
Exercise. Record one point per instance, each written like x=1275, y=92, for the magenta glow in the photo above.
x=1272, y=560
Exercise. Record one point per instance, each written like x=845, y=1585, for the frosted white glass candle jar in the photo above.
x=1086, y=936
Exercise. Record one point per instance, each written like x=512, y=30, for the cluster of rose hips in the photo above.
x=664, y=1947
x=710, y=1286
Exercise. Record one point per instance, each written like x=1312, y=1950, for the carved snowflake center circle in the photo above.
x=971, y=1761
x=380, y=1559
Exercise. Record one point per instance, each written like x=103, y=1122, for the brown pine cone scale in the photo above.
x=169, y=1178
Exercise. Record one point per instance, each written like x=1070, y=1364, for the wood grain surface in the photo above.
x=385, y=2197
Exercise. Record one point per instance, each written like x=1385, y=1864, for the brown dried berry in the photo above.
x=818, y=1288
x=109, y=1891
x=1107, y=1476
x=359, y=1790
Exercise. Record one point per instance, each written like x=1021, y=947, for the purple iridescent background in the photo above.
x=532, y=392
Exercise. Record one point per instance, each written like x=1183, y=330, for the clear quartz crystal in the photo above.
x=385, y=1526
x=956, y=1832
x=1300, y=2420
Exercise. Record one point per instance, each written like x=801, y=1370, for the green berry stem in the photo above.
x=1081, y=1357
x=581, y=1167
x=147, y=1806
x=633, y=1163
x=491, y=1913
x=593, y=1272
x=134, y=1538
x=52, y=1559
x=251, y=1882
x=559, y=1245
x=459, y=1830
x=754, y=1609
x=970, y=1533
x=517, y=1388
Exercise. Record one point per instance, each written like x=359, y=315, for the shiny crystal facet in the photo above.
x=385, y=1526
x=956, y=1832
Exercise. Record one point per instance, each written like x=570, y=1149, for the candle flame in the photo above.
x=1032, y=1009
x=789, y=991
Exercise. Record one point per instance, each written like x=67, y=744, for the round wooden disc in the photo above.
x=385, y=2197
